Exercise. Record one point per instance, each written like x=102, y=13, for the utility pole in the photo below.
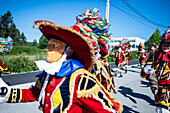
x=107, y=10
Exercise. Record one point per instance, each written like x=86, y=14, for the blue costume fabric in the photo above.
x=67, y=68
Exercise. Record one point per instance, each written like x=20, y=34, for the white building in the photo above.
x=135, y=41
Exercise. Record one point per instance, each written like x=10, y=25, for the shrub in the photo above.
x=133, y=55
x=110, y=58
x=21, y=64
x=15, y=61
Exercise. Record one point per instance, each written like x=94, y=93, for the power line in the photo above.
x=141, y=15
x=130, y=14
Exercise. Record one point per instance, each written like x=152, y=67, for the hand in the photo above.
x=4, y=90
x=148, y=69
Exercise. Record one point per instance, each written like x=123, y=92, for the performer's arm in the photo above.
x=23, y=95
x=145, y=72
x=148, y=73
x=15, y=95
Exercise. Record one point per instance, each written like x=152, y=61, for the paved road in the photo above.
x=133, y=92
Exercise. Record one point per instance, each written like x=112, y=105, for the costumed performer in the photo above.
x=157, y=68
x=126, y=55
x=141, y=55
x=99, y=36
x=152, y=49
x=118, y=55
x=151, y=53
x=65, y=85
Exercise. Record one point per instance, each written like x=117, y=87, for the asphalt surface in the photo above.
x=134, y=92
x=21, y=78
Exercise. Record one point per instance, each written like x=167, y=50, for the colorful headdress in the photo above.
x=166, y=36
x=118, y=46
x=141, y=46
x=6, y=44
x=154, y=45
x=125, y=43
x=96, y=28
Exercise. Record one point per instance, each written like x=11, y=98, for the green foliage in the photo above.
x=34, y=43
x=155, y=38
x=5, y=20
x=110, y=58
x=22, y=37
x=26, y=50
x=8, y=28
x=131, y=57
x=21, y=64
x=43, y=42
x=1, y=29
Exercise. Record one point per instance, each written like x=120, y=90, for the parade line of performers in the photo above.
x=76, y=76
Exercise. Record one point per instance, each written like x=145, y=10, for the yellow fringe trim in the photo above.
x=148, y=63
x=95, y=89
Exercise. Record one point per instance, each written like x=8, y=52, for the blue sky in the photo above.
x=64, y=12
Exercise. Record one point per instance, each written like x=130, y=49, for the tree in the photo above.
x=23, y=38
x=34, y=43
x=43, y=42
x=6, y=20
x=8, y=28
x=1, y=29
x=155, y=38
x=13, y=32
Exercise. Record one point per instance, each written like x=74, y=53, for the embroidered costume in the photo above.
x=150, y=57
x=99, y=37
x=125, y=45
x=127, y=52
x=157, y=71
x=153, y=49
x=141, y=55
x=78, y=92
x=102, y=71
x=118, y=55
x=66, y=85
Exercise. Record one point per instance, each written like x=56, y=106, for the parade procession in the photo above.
x=82, y=61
